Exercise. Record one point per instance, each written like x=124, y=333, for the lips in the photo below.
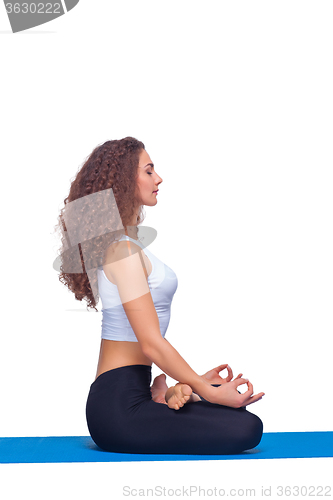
x=156, y=191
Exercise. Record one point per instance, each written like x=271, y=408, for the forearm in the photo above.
x=168, y=359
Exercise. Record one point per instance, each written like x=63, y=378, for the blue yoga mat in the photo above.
x=83, y=449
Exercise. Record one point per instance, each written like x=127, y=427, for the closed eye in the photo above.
x=150, y=173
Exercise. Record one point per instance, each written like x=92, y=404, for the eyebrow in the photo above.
x=149, y=165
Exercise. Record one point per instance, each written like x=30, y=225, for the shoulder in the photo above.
x=123, y=263
x=118, y=250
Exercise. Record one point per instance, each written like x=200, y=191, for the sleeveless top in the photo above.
x=162, y=282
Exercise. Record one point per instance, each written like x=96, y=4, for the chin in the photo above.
x=151, y=202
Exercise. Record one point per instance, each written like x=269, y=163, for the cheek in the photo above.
x=146, y=183
x=143, y=185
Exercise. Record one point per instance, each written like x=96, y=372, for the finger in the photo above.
x=220, y=367
x=240, y=381
x=254, y=399
x=249, y=392
x=246, y=396
x=230, y=374
x=239, y=376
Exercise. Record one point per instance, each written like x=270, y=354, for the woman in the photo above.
x=199, y=415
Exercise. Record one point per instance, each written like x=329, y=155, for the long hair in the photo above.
x=111, y=166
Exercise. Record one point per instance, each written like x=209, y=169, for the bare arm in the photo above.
x=128, y=272
x=143, y=318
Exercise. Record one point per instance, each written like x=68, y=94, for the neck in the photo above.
x=132, y=228
x=132, y=232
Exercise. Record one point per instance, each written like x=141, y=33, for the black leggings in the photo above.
x=122, y=417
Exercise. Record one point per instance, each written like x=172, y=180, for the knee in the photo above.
x=254, y=431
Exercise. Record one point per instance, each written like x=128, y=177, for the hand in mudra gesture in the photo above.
x=213, y=377
x=227, y=394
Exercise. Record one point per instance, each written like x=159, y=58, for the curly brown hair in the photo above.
x=114, y=165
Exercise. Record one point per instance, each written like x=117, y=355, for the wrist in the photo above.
x=213, y=394
x=204, y=388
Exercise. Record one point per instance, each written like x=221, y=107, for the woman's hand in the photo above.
x=213, y=376
x=228, y=395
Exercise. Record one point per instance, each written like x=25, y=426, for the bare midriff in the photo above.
x=114, y=354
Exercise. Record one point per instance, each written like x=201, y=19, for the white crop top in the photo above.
x=162, y=282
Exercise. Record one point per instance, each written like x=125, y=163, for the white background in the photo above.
x=233, y=101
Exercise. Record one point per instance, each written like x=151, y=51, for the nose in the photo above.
x=159, y=180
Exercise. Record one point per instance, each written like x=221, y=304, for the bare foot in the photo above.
x=175, y=397
x=178, y=395
x=159, y=388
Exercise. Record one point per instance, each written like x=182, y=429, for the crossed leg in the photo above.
x=175, y=397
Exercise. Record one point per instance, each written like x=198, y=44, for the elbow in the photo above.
x=150, y=349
